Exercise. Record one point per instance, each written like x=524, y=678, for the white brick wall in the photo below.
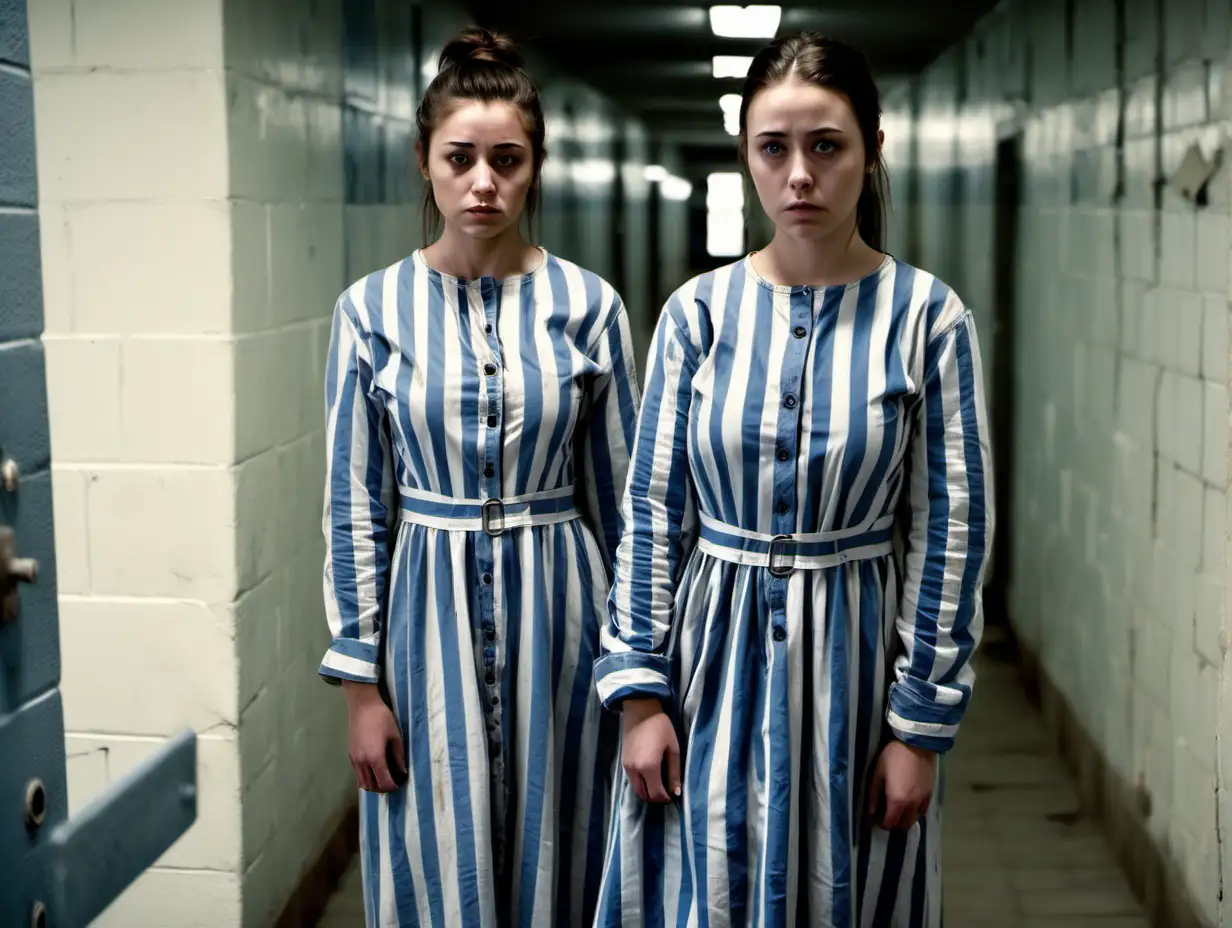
x=195, y=236
x=1120, y=458
x=130, y=107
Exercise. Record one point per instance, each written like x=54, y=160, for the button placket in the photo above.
x=787, y=450
x=783, y=518
x=487, y=549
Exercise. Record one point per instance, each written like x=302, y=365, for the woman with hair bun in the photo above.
x=481, y=399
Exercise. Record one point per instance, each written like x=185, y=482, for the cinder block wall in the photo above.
x=1120, y=367
x=214, y=176
x=131, y=133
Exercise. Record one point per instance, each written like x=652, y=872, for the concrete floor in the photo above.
x=1018, y=854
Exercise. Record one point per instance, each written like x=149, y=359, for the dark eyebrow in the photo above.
x=777, y=134
x=497, y=145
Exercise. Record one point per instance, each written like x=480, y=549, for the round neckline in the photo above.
x=418, y=258
x=881, y=268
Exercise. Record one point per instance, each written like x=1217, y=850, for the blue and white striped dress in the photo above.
x=443, y=394
x=811, y=413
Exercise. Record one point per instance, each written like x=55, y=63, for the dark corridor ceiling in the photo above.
x=655, y=57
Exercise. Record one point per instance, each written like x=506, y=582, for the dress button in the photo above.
x=495, y=699
x=489, y=369
x=490, y=634
x=789, y=401
x=488, y=328
x=783, y=454
x=780, y=633
x=799, y=331
x=781, y=509
x=488, y=471
x=489, y=678
x=487, y=579
x=491, y=422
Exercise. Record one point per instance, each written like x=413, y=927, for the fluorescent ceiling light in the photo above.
x=675, y=188
x=725, y=191
x=731, y=65
x=730, y=104
x=724, y=214
x=654, y=173
x=593, y=171
x=745, y=22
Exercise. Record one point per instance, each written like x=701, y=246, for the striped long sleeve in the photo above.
x=359, y=489
x=659, y=506
x=605, y=439
x=940, y=619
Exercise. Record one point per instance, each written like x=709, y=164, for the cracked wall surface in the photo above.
x=1118, y=458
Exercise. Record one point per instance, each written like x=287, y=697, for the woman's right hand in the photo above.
x=648, y=736
x=374, y=739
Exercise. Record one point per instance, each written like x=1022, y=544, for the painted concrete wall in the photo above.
x=1119, y=364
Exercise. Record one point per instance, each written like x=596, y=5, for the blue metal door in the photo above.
x=56, y=873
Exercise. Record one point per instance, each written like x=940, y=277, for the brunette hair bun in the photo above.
x=477, y=44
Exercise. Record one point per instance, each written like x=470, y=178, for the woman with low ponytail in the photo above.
x=797, y=595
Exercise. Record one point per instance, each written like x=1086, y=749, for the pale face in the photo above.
x=806, y=157
x=481, y=166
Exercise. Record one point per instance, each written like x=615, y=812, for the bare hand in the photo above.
x=906, y=774
x=648, y=736
x=373, y=739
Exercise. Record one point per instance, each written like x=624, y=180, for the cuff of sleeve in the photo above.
x=349, y=659
x=631, y=675
x=922, y=724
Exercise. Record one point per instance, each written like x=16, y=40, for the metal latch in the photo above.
x=13, y=570
x=10, y=475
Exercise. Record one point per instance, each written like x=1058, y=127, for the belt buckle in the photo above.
x=779, y=571
x=486, y=511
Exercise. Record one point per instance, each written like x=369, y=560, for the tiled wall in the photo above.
x=1119, y=364
x=212, y=178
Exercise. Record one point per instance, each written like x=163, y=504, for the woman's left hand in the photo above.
x=906, y=775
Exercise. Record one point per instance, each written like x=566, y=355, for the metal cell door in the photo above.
x=54, y=873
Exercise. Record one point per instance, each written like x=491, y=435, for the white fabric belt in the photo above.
x=491, y=516
x=801, y=551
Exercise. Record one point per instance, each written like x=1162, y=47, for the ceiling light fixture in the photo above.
x=730, y=104
x=593, y=171
x=724, y=214
x=745, y=22
x=731, y=65
x=675, y=188
x=654, y=173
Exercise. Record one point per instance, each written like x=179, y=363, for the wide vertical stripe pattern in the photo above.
x=782, y=410
x=446, y=389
